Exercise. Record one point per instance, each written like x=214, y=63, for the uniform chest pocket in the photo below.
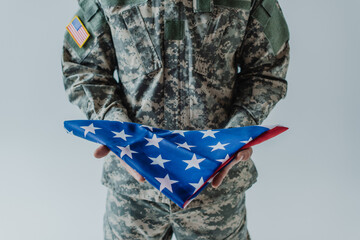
x=136, y=53
x=225, y=31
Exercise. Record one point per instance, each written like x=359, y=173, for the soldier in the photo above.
x=172, y=64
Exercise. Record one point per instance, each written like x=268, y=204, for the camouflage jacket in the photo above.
x=178, y=64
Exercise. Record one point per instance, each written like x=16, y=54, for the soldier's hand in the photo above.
x=102, y=151
x=243, y=155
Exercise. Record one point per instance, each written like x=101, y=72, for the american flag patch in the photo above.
x=78, y=31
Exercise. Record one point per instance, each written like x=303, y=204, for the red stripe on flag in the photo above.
x=266, y=135
x=80, y=36
x=73, y=34
x=83, y=33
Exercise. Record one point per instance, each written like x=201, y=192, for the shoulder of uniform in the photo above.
x=266, y=6
x=92, y=18
x=270, y=16
x=255, y=3
x=92, y=15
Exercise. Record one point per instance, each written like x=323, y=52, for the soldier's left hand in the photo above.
x=243, y=155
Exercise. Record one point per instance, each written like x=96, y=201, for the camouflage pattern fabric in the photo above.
x=178, y=64
x=128, y=217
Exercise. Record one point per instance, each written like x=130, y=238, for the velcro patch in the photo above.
x=78, y=31
x=174, y=29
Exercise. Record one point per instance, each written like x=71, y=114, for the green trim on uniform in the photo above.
x=203, y=6
x=234, y=3
x=174, y=29
x=110, y=3
x=261, y=15
x=89, y=7
x=277, y=30
x=98, y=23
x=273, y=21
x=92, y=14
x=269, y=5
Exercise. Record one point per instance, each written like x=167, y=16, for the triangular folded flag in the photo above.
x=179, y=163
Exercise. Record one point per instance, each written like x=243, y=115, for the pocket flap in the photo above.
x=136, y=26
x=89, y=7
x=269, y=6
x=275, y=27
x=245, y=4
x=111, y=3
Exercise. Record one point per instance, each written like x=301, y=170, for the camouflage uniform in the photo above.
x=178, y=64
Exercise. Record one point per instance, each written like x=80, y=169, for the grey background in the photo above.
x=308, y=185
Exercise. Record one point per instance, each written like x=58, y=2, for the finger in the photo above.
x=245, y=154
x=222, y=174
x=241, y=156
x=216, y=182
x=132, y=172
x=101, y=151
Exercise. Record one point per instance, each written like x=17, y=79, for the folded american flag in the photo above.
x=179, y=163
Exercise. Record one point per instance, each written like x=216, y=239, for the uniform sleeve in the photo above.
x=88, y=74
x=263, y=58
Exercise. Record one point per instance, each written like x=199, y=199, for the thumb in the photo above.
x=101, y=151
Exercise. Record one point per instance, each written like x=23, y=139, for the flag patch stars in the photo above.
x=218, y=146
x=90, y=129
x=194, y=162
x=166, y=182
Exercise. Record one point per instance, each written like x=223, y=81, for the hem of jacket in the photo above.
x=145, y=194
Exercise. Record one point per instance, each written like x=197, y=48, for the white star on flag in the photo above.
x=126, y=151
x=209, y=133
x=89, y=128
x=166, y=183
x=197, y=185
x=179, y=163
x=246, y=142
x=194, y=162
x=218, y=146
x=150, y=128
x=185, y=145
x=224, y=160
x=121, y=134
x=159, y=161
x=153, y=141
x=181, y=132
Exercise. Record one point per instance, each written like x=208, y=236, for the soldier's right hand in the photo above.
x=102, y=151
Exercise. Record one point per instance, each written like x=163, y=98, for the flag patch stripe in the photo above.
x=78, y=31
